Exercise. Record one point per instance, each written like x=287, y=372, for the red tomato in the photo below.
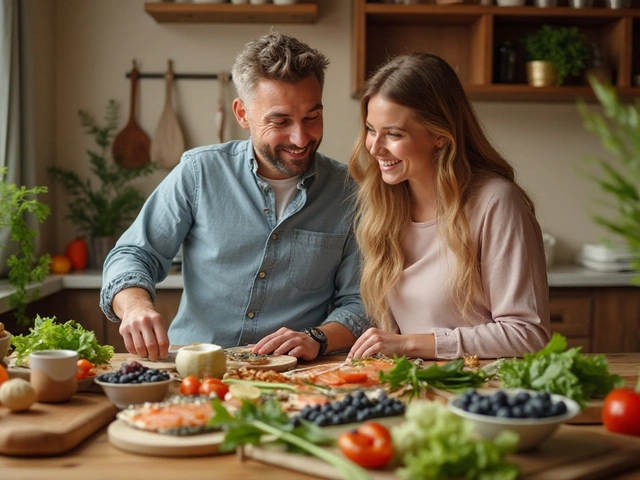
x=214, y=385
x=369, y=446
x=190, y=386
x=85, y=365
x=78, y=252
x=621, y=411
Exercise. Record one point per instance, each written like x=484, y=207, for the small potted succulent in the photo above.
x=554, y=54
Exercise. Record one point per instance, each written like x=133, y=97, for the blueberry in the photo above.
x=503, y=412
x=516, y=411
x=522, y=398
x=348, y=398
x=499, y=398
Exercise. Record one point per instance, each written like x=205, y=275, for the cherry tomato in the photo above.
x=190, y=386
x=214, y=385
x=621, y=411
x=369, y=445
x=85, y=365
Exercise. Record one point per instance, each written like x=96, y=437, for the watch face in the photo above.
x=319, y=334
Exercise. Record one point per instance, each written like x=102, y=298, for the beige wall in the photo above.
x=95, y=42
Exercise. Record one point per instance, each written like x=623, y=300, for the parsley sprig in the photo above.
x=451, y=376
x=251, y=423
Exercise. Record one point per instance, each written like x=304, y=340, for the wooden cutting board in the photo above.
x=52, y=429
x=568, y=455
x=133, y=440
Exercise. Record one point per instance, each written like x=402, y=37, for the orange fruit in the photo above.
x=60, y=264
x=78, y=252
x=4, y=376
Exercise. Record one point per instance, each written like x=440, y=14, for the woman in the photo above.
x=453, y=256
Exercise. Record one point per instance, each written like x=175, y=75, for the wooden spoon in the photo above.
x=167, y=144
x=131, y=146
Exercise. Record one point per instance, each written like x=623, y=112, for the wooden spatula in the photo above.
x=131, y=146
x=167, y=144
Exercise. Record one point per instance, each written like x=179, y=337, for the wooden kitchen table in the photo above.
x=96, y=459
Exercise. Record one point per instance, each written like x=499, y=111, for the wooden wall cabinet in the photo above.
x=467, y=37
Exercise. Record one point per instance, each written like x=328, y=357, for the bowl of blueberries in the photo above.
x=534, y=416
x=134, y=383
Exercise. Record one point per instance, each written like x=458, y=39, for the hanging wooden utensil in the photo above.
x=131, y=146
x=167, y=144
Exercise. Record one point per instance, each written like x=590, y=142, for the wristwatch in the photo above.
x=319, y=336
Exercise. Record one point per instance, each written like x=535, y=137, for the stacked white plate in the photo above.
x=606, y=258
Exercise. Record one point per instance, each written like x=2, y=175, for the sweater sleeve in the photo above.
x=516, y=292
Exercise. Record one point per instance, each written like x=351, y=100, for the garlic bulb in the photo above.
x=17, y=394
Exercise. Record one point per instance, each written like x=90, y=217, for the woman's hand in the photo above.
x=390, y=343
x=378, y=341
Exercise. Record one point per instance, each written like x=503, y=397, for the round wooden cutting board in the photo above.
x=132, y=440
x=278, y=363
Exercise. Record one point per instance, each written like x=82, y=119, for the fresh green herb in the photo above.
x=434, y=443
x=451, y=376
x=555, y=369
x=49, y=335
x=25, y=267
x=250, y=423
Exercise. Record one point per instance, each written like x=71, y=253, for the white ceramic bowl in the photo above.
x=125, y=394
x=532, y=431
x=5, y=343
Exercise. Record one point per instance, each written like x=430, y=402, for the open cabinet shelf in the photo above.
x=169, y=12
x=467, y=37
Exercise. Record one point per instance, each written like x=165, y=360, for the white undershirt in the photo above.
x=284, y=191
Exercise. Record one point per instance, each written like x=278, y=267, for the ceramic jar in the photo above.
x=53, y=374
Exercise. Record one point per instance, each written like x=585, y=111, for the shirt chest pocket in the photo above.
x=315, y=258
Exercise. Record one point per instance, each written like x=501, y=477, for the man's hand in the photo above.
x=143, y=328
x=288, y=342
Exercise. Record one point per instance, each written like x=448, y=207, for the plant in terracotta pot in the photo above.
x=102, y=211
x=25, y=266
x=564, y=49
x=619, y=176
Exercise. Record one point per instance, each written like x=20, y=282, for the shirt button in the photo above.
x=251, y=314
x=262, y=274
x=266, y=210
x=274, y=236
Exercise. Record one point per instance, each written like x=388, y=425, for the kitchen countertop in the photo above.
x=564, y=276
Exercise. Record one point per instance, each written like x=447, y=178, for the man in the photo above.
x=265, y=224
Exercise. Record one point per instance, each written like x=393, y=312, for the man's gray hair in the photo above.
x=276, y=56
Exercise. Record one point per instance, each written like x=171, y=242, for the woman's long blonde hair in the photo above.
x=427, y=85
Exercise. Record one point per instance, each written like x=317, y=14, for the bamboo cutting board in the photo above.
x=53, y=428
x=568, y=455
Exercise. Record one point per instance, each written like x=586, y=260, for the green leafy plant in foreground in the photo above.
x=251, y=423
x=619, y=130
x=556, y=369
x=47, y=334
x=434, y=443
x=451, y=376
x=106, y=209
x=24, y=267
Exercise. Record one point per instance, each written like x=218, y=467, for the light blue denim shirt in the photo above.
x=245, y=275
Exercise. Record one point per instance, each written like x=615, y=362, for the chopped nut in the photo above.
x=471, y=360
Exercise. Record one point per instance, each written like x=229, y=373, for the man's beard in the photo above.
x=289, y=167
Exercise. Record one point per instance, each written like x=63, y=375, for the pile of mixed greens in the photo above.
x=556, y=369
x=47, y=334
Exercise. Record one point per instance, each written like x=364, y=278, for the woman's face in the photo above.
x=403, y=147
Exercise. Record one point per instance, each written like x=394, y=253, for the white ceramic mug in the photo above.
x=53, y=374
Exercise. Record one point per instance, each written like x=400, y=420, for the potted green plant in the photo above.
x=618, y=128
x=25, y=266
x=555, y=53
x=103, y=211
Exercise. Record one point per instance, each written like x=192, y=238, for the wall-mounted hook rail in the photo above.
x=178, y=76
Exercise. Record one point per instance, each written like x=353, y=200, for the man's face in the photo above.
x=285, y=121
